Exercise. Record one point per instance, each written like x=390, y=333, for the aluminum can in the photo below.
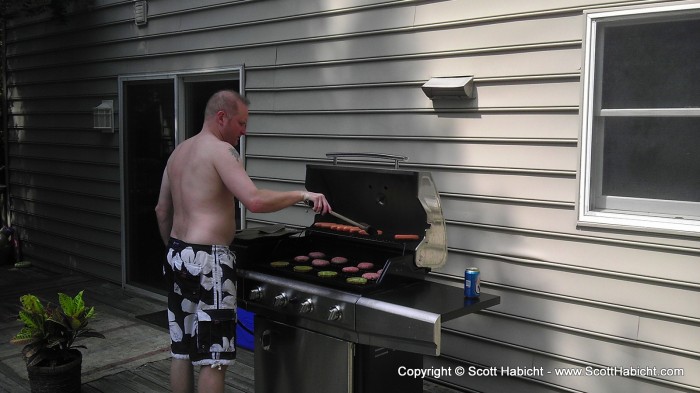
x=472, y=282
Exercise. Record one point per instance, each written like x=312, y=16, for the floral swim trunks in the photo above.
x=201, y=283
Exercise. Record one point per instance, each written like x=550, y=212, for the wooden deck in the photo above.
x=135, y=356
x=153, y=377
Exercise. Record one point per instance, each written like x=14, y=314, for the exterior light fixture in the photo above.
x=103, y=116
x=140, y=12
x=449, y=88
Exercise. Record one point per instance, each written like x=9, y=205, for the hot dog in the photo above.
x=406, y=237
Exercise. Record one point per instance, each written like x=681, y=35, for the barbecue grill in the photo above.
x=330, y=329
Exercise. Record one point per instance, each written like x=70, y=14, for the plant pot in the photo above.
x=59, y=379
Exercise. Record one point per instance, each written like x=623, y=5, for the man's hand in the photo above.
x=318, y=202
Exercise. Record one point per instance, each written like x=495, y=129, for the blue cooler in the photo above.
x=245, y=329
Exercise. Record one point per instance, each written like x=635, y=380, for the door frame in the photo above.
x=179, y=78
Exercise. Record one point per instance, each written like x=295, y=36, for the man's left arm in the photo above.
x=258, y=200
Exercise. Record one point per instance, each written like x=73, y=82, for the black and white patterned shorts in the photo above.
x=201, y=302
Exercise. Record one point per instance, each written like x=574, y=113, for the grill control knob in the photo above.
x=306, y=306
x=281, y=300
x=335, y=313
x=255, y=294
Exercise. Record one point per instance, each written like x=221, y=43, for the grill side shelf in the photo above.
x=446, y=300
x=410, y=317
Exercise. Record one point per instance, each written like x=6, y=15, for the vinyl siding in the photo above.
x=345, y=75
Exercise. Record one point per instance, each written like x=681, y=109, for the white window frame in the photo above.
x=595, y=209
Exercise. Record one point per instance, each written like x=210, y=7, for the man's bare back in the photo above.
x=204, y=208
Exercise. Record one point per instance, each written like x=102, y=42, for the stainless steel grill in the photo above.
x=359, y=332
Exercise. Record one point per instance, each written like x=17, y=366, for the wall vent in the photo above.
x=140, y=12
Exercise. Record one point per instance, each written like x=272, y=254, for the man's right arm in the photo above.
x=164, y=208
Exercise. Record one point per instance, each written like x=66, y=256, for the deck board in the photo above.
x=133, y=357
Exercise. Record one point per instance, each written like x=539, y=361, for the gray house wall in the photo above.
x=345, y=75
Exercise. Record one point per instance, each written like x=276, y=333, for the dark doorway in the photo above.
x=149, y=116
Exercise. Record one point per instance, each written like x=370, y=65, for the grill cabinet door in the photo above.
x=294, y=360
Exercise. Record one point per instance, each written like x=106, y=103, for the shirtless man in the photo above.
x=196, y=216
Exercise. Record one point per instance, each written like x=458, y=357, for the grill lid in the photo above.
x=395, y=202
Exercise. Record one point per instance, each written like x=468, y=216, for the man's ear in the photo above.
x=220, y=115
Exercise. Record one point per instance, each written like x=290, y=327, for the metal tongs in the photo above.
x=365, y=227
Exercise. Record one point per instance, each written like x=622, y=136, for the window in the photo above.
x=640, y=141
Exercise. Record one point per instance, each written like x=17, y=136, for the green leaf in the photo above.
x=67, y=304
x=79, y=303
x=31, y=304
x=25, y=336
x=31, y=320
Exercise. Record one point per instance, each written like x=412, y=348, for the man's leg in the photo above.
x=211, y=379
x=181, y=376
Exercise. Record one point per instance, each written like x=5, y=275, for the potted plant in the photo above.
x=49, y=334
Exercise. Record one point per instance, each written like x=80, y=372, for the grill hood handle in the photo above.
x=382, y=156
